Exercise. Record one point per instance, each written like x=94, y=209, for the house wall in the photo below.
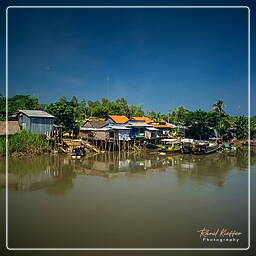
x=165, y=131
x=86, y=134
x=122, y=135
x=96, y=135
x=101, y=135
x=138, y=131
x=150, y=134
x=24, y=121
x=40, y=125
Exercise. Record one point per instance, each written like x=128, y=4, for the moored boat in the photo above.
x=204, y=147
x=187, y=146
x=228, y=147
x=169, y=146
x=151, y=145
x=77, y=152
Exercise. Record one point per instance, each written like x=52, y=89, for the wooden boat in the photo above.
x=187, y=146
x=77, y=152
x=151, y=145
x=204, y=147
x=169, y=146
x=229, y=147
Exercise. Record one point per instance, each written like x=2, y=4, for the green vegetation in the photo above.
x=70, y=114
x=24, y=142
x=201, y=124
x=18, y=102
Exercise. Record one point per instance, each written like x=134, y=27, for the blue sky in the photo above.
x=162, y=58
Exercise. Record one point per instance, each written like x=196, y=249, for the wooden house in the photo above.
x=138, y=128
x=95, y=129
x=114, y=127
x=36, y=121
x=120, y=132
x=165, y=129
x=142, y=128
x=151, y=132
x=13, y=127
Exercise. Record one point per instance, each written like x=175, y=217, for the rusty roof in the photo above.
x=119, y=119
x=94, y=124
x=13, y=127
x=147, y=120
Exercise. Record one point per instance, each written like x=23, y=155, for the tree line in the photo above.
x=201, y=124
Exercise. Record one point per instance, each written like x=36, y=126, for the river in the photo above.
x=121, y=200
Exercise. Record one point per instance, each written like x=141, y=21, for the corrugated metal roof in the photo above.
x=151, y=129
x=119, y=127
x=94, y=129
x=134, y=123
x=36, y=113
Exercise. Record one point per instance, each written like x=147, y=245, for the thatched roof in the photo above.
x=94, y=124
x=13, y=127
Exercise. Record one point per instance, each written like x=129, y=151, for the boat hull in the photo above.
x=169, y=150
x=206, y=150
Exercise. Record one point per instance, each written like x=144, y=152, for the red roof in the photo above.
x=119, y=119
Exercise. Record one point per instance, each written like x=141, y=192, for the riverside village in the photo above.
x=64, y=134
x=126, y=128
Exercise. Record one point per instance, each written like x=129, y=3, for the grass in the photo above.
x=24, y=142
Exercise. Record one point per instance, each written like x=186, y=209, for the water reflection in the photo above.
x=125, y=200
x=55, y=174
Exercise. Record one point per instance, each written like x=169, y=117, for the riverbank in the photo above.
x=24, y=143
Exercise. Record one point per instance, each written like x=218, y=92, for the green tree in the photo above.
x=18, y=102
x=241, y=124
x=219, y=107
x=181, y=116
x=74, y=101
x=63, y=99
x=64, y=114
x=253, y=127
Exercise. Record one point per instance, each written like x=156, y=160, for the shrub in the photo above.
x=24, y=142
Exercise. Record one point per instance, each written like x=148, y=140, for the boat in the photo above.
x=229, y=147
x=151, y=145
x=169, y=146
x=204, y=147
x=77, y=152
x=187, y=146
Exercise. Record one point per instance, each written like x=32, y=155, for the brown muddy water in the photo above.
x=120, y=200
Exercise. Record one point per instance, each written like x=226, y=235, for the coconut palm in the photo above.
x=219, y=107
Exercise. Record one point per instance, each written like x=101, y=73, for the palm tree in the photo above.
x=219, y=107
